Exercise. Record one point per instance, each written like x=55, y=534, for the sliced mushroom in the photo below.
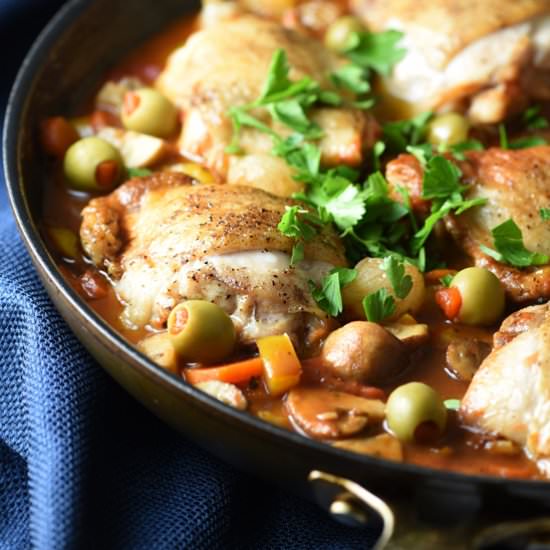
x=413, y=335
x=464, y=357
x=160, y=350
x=325, y=414
x=365, y=352
x=381, y=446
x=224, y=392
x=137, y=150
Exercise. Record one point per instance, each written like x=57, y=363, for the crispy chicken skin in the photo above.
x=225, y=65
x=162, y=240
x=487, y=58
x=516, y=185
x=510, y=393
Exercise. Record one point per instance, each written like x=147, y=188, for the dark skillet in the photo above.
x=66, y=61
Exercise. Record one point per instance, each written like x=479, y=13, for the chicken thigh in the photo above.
x=225, y=65
x=487, y=58
x=163, y=240
x=510, y=394
x=516, y=185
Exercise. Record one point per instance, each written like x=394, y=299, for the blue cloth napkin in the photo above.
x=83, y=465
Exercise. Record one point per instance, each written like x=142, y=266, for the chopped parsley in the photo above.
x=520, y=143
x=400, y=134
x=301, y=225
x=452, y=404
x=533, y=120
x=379, y=305
x=329, y=295
x=544, y=214
x=139, y=172
x=446, y=280
x=395, y=271
x=376, y=51
x=508, y=242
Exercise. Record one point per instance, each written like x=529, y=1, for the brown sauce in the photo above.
x=460, y=450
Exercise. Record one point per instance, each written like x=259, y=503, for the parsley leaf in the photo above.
x=352, y=78
x=291, y=113
x=510, y=249
x=399, y=134
x=138, y=172
x=379, y=305
x=395, y=271
x=329, y=295
x=544, y=214
x=503, y=136
x=446, y=280
x=376, y=51
x=452, y=404
x=300, y=224
x=533, y=120
x=441, y=179
x=459, y=149
x=526, y=142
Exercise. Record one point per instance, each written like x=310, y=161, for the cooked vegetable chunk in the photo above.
x=415, y=412
x=482, y=296
x=201, y=332
x=149, y=112
x=365, y=352
x=282, y=369
x=92, y=164
x=325, y=414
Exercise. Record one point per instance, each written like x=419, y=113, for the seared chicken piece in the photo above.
x=510, y=393
x=163, y=240
x=488, y=58
x=225, y=65
x=516, y=185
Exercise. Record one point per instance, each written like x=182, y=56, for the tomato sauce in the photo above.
x=460, y=450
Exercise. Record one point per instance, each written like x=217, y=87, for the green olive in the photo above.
x=340, y=31
x=415, y=409
x=201, y=332
x=482, y=296
x=149, y=112
x=448, y=129
x=92, y=164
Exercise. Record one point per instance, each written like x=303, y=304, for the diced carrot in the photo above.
x=99, y=119
x=450, y=301
x=434, y=277
x=235, y=373
x=57, y=134
x=282, y=368
x=106, y=173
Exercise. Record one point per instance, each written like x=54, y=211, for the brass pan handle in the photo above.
x=400, y=529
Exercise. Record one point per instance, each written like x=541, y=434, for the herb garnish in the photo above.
x=302, y=225
x=329, y=295
x=379, y=305
x=544, y=214
x=508, y=241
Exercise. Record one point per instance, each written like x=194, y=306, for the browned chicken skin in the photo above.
x=488, y=57
x=516, y=185
x=225, y=65
x=163, y=240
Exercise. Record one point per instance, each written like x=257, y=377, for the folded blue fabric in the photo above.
x=81, y=463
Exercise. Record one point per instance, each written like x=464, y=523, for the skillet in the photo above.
x=422, y=507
